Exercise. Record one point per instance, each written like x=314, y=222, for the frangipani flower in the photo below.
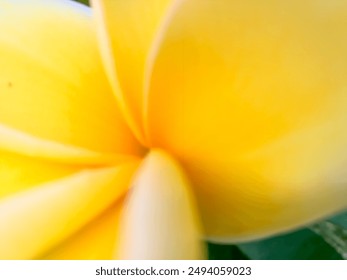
x=142, y=127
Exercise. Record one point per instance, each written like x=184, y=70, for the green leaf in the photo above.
x=225, y=252
x=334, y=235
x=86, y=2
x=325, y=240
x=340, y=219
x=300, y=245
x=334, y=232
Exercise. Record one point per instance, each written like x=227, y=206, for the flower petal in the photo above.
x=160, y=219
x=127, y=30
x=52, y=82
x=18, y=173
x=34, y=221
x=21, y=143
x=96, y=241
x=252, y=98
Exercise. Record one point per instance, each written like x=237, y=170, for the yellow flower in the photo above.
x=221, y=120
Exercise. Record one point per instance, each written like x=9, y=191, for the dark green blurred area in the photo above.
x=300, y=245
x=225, y=252
x=326, y=240
x=82, y=1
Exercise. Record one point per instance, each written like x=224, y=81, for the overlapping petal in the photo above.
x=19, y=173
x=127, y=30
x=52, y=82
x=20, y=143
x=160, y=219
x=34, y=221
x=249, y=97
x=252, y=98
x=96, y=241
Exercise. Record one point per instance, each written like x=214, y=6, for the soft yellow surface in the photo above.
x=34, y=221
x=160, y=219
x=52, y=83
x=252, y=98
x=96, y=241
x=126, y=31
x=18, y=173
x=242, y=105
x=18, y=142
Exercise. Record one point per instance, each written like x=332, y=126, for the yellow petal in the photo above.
x=252, y=98
x=127, y=30
x=160, y=219
x=18, y=173
x=17, y=142
x=52, y=82
x=96, y=241
x=36, y=220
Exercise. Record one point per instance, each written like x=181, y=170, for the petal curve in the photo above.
x=52, y=82
x=252, y=99
x=21, y=143
x=34, y=221
x=127, y=30
x=159, y=220
x=19, y=173
x=96, y=241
